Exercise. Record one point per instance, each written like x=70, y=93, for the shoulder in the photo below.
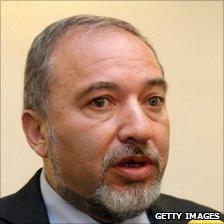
x=27, y=193
x=26, y=205
x=8, y=206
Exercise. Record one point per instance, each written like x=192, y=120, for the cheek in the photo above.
x=79, y=159
x=81, y=148
x=161, y=139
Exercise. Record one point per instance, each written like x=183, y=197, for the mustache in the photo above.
x=119, y=153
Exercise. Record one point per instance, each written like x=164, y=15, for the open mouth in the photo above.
x=133, y=162
x=134, y=168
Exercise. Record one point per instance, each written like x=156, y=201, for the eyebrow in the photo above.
x=157, y=82
x=112, y=86
x=97, y=86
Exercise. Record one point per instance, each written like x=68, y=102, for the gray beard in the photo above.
x=112, y=205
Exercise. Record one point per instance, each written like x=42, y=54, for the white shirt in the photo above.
x=60, y=211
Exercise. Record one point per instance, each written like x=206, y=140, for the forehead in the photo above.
x=99, y=45
x=82, y=54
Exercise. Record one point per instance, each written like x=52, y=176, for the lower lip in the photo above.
x=134, y=173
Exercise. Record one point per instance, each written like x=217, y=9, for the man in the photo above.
x=94, y=110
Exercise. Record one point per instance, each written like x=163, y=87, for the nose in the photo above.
x=136, y=125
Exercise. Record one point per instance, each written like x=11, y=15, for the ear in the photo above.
x=34, y=129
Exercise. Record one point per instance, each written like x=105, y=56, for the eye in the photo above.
x=155, y=101
x=100, y=102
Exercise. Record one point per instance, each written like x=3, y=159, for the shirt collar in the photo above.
x=60, y=211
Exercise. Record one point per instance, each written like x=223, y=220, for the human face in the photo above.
x=109, y=92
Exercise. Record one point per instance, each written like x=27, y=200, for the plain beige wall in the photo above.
x=188, y=37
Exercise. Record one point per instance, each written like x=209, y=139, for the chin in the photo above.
x=130, y=200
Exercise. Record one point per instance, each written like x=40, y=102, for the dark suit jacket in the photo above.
x=27, y=206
